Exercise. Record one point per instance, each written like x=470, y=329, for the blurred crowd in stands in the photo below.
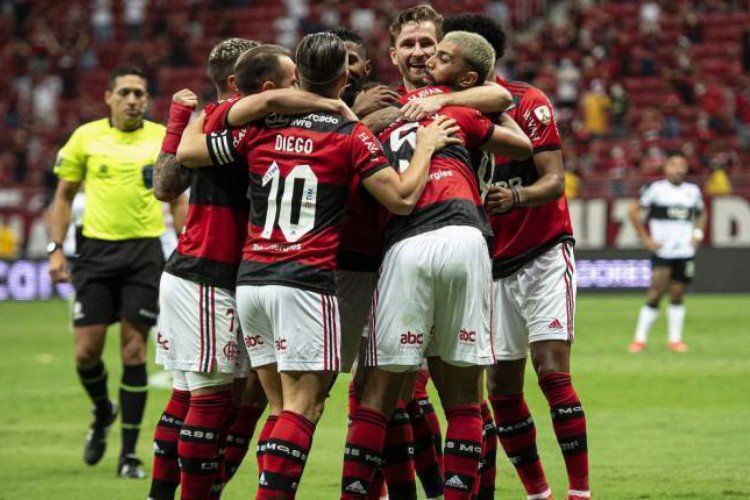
x=631, y=80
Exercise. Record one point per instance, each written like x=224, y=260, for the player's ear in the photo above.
x=268, y=85
x=392, y=53
x=368, y=67
x=107, y=96
x=232, y=83
x=342, y=81
x=468, y=79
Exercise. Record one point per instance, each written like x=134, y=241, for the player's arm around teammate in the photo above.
x=170, y=178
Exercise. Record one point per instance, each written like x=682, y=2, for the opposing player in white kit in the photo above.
x=676, y=222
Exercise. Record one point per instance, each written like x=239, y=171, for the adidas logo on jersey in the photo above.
x=555, y=325
x=356, y=487
x=455, y=482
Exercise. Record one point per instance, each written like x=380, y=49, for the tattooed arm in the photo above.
x=170, y=178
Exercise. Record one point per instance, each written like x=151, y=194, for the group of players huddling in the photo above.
x=432, y=236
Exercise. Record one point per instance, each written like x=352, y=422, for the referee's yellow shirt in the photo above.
x=118, y=169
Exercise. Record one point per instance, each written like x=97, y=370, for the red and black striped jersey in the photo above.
x=452, y=195
x=525, y=233
x=361, y=247
x=209, y=249
x=301, y=169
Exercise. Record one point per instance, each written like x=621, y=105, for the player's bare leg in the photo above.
x=650, y=310
x=89, y=345
x=676, y=316
x=551, y=360
x=270, y=381
x=133, y=392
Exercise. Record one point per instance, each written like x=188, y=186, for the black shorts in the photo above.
x=682, y=270
x=117, y=279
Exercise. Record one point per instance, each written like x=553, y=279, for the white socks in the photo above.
x=675, y=320
x=646, y=319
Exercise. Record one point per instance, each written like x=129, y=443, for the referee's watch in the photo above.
x=53, y=246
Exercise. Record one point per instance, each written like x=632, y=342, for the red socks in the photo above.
x=165, y=476
x=286, y=453
x=363, y=453
x=463, y=451
x=265, y=433
x=485, y=489
x=569, y=423
x=238, y=438
x=199, y=443
x=517, y=434
x=398, y=454
x=428, y=449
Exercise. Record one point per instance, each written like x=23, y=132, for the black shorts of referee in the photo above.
x=682, y=270
x=117, y=279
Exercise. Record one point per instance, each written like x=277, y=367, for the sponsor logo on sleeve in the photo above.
x=543, y=114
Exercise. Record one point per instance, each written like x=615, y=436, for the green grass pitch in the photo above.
x=661, y=425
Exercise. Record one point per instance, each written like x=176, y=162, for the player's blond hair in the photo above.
x=477, y=52
x=223, y=56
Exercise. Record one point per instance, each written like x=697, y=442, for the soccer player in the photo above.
x=434, y=289
x=534, y=287
x=205, y=264
x=300, y=171
x=360, y=255
x=676, y=222
x=117, y=270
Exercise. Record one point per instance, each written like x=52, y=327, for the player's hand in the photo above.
x=651, y=245
x=186, y=97
x=374, y=99
x=348, y=113
x=419, y=109
x=499, y=200
x=58, y=267
x=439, y=134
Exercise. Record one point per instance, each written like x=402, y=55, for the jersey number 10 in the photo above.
x=296, y=206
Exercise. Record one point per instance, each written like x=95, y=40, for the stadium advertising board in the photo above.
x=609, y=253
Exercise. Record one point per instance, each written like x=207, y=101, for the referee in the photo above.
x=120, y=260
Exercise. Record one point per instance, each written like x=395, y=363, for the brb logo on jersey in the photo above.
x=412, y=339
x=467, y=336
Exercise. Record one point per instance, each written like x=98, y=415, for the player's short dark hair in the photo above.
x=674, y=152
x=223, y=56
x=418, y=14
x=124, y=71
x=347, y=34
x=485, y=26
x=321, y=60
x=258, y=65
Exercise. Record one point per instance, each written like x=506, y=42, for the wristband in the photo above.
x=698, y=234
x=179, y=116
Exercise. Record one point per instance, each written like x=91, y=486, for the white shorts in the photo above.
x=535, y=303
x=440, y=278
x=298, y=329
x=354, y=291
x=198, y=329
